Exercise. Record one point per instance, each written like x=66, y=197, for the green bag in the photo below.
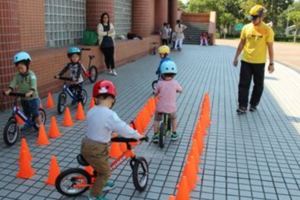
x=90, y=38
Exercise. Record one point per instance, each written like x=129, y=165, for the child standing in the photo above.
x=166, y=90
x=102, y=122
x=74, y=68
x=25, y=81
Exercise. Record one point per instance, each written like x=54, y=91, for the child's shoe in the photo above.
x=155, y=138
x=108, y=186
x=174, y=136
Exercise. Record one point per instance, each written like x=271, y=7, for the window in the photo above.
x=65, y=22
x=123, y=14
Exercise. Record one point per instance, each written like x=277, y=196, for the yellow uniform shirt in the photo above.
x=257, y=37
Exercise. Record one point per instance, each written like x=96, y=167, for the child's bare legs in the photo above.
x=38, y=120
x=155, y=126
x=174, y=125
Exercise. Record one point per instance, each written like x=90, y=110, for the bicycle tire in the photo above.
x=76, y=172
x=140, y=184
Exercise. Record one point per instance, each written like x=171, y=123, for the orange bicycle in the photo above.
x=76, y=181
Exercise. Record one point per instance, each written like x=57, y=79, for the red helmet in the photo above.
x=104, y=87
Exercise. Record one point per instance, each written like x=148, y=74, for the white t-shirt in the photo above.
x=102, y=122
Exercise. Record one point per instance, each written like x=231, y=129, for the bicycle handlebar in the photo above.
x=64, y=78
x=122, y=139
x=16, y=94
x=85, y=49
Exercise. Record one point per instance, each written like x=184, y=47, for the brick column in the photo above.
x=94, y=9
x=9, y=44
x=161, y=13
x=173, y=14
x=143, y=17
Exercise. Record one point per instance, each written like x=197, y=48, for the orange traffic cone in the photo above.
x=89, y=169
x=53, y=130
x=172, y=197
x=80, y=112
x=50, y=101
x=53, y=171
x=42, y=138
x=19, y=120
x=123, y=147
x=25, y=148
x=67, y=118
x=183, y=190
x=115, y=150
x=92, y=103
x=25, y=169
x=191, y=173
x=195, y=152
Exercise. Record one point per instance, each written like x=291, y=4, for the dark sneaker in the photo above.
x=108, y=186
x=174, y=136
x=241, y=110
x=155, y=138
x=253, y=108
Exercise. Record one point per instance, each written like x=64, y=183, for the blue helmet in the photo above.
x=74, y=50
x=21, y=56
x=168, y=67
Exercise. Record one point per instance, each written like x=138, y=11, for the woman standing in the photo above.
x=179, y=28
x=106, y=35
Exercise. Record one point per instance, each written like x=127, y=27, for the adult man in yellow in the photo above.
x=256, y=37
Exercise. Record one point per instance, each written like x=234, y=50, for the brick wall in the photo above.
x=161, y=13
x=143, y=17
x=191, y=17
x=95, y=8
x=32, y=23
x=9, y=43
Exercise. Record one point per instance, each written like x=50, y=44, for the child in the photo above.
x=163, y=52
x=203, y=39
x=102, y=122
x=166, y=91
x=75, y=69
x=25, y=82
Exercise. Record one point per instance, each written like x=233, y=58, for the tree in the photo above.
x=295, y=18
x=227, y=22
x=182, y=5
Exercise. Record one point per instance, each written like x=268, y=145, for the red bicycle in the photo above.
x=76, y=181
x=91, y=72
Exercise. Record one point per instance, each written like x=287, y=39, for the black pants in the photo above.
x=109, y=57
x=249, y=70
x=164, y=41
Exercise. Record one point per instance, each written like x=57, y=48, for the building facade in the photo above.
x=45, y=28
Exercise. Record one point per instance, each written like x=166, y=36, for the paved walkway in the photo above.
x=255, y=156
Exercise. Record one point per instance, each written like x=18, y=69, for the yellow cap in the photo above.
x=164, y=49
x=257, y=10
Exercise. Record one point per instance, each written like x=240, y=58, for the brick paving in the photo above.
x=246, y=157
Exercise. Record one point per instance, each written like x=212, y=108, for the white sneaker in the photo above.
x=110, y=71
x=114, y=72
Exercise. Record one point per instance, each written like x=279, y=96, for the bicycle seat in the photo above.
x=91, y=57
x=81, y=160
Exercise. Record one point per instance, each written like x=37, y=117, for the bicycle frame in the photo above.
x=66, y=89
x=19, y=113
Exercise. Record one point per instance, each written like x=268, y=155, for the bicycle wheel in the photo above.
x=73, y=182
x=84, y=97
x=62, y=101
x=93, y=72
x=154, y=83
x=11, y=132
x=162, y=134
x=140, y=174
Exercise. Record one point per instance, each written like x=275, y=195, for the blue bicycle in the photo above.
x=77, y=94
x=12, y=131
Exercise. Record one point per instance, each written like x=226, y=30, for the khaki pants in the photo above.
x=96, y=154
